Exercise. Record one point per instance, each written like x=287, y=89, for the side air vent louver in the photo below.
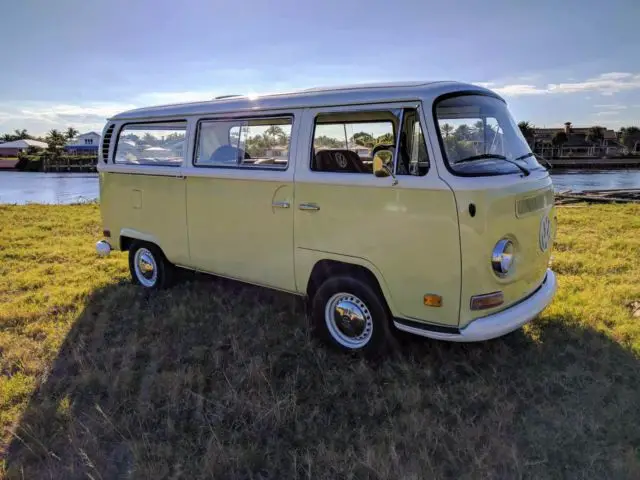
x=105, y=143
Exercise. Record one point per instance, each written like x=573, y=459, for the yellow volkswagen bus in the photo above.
x=415, y=206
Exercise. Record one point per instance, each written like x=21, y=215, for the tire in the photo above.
x=364, y=326
x=159, y=272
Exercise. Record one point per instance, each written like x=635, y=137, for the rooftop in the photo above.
x=313, y=97
x=23, y=144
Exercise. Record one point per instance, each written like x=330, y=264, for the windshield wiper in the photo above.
x=540, y=157
x=524, y=171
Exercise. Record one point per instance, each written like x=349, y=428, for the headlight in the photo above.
x=502, y=257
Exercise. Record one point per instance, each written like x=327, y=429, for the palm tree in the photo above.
x=55, y=141
x=446, y=129
x=21, y=134
x=71, y=133
x=528, y=131
x=595, y=135
x=7, y=137
x=276, y=131
x=559, y=139
x=630, y=136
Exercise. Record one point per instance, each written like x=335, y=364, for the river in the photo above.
x=61, y=188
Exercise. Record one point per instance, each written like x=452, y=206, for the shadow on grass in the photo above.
x=212, y=378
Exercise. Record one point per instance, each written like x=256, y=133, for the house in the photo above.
x=86, y=143
x=277, y=151
x=577, y=143
x=12, y=149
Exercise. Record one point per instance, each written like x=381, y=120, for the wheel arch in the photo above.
x=323, y=268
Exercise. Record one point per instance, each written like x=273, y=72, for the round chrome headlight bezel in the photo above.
x=502, y=257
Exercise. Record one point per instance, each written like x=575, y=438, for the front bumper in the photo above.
x=497, y=324
x=103, y=248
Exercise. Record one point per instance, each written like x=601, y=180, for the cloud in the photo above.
x=605, y=84
x=40, y=117
x=614, y=106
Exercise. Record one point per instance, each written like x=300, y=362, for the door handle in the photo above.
x=312, y=207
x=280, y=205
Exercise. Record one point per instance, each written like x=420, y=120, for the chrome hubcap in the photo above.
x=146, y=267
x=349, y=320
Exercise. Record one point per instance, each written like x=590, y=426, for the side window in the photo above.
x=345, y=142
x=160, y=144
x=244, y=143
x=413, y=158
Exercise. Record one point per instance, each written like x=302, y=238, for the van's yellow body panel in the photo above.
x=147, y=207
x=408, y=234
x=496, y=218
x=236, y=231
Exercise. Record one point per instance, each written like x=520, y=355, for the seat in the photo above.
x=339, y=160
x=227, y=154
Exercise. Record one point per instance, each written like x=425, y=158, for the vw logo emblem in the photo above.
x=545, y=233
x=341, y=160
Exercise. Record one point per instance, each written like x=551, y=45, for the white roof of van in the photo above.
x=310, y=98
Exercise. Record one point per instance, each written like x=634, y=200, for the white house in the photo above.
x=84, y=143
x=12, y=149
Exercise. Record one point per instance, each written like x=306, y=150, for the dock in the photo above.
x=83, y=163
x=606, y=163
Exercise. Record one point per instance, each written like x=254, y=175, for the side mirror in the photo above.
x=380, y=169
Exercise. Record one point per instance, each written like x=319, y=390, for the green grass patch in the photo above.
x=101, y=379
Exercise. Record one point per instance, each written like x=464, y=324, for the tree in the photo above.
x=446, y=129
x=528, y=131
x=274, y=131
x=71, y=133
x=387, y=139
x=463, y=132
x=629, y=137
x=150, y=140
x=21, y=134
x=595, y=135
x=7, y=137
x=324, y=141
x=559, y=139
x=363, y=138
x=55, y=141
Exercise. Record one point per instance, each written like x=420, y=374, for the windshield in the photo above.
x=480, y=138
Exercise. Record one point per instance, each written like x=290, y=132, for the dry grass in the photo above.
x=100, y=379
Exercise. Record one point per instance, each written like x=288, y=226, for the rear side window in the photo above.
x=244, y=143
x=160, y=144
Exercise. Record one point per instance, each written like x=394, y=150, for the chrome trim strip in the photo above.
x=312, y=207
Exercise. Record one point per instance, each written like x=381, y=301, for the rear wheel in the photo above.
x=149, y=267
x=348, y=314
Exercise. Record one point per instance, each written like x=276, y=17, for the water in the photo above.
x=18, y=187
x=585, y=180
x=32, y=187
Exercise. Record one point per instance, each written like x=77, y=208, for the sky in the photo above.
x=76, y=62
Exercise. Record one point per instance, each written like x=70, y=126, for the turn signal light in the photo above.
x=488, y=300
x=433, y=300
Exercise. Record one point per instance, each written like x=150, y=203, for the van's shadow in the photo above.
x=216, y=378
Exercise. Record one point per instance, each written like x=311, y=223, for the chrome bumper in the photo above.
x=497, y=324
x=103, y=248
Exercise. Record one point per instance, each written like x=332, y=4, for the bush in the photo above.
x=29, y=163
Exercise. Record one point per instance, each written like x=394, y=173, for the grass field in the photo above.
x=100, y=379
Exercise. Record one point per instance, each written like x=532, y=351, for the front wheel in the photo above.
x=149, y=267
x=348, y=314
